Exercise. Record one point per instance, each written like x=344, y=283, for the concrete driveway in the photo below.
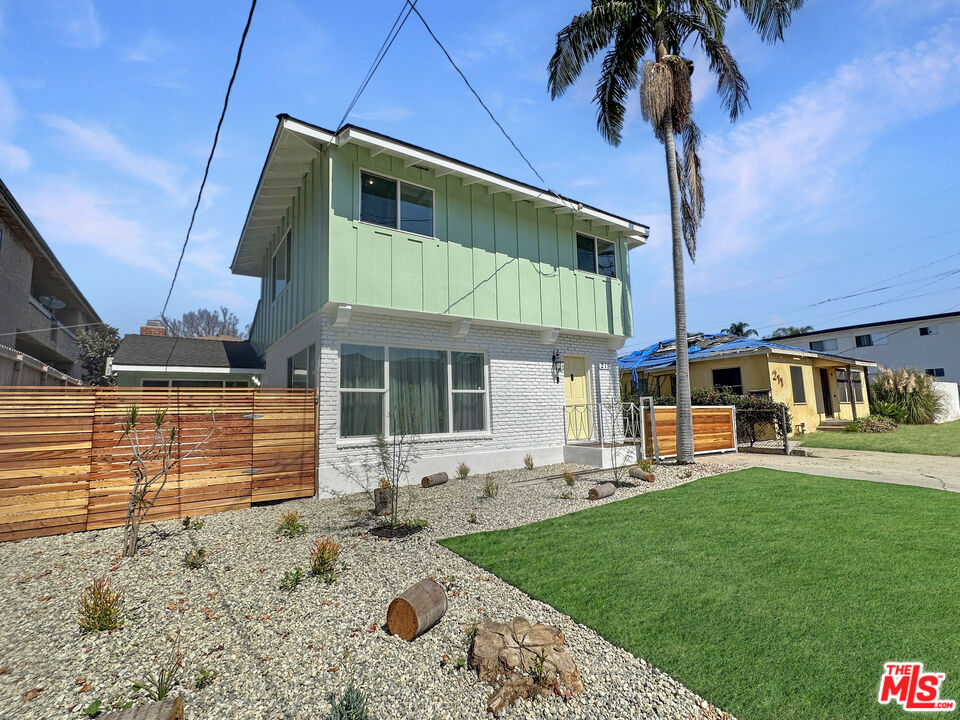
x=933, y=471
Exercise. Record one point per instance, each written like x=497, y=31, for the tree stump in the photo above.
x=417, y=609
x=170, y=709
x=639, y=474
x=382, y=500
x=521, y=660
x=601, y=491
x=436, y=479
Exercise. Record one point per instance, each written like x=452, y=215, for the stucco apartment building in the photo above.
x=930, y=343
x=40, y=306
x=427, y=296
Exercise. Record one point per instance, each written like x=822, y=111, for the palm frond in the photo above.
x=586, y=35
x=618, y=75
x=769, y=17
x=731, y=85
x=682, y=98
x=693, y=169
x=656, y=95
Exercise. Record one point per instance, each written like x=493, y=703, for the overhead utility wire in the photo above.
x=206, y=171
x=57, y=327
x=378, y=58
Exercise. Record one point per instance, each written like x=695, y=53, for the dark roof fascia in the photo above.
x=918, y=318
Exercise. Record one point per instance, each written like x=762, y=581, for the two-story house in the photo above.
x=426, y=296
x=40, y=306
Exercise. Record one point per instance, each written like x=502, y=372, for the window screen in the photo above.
x=796, y=379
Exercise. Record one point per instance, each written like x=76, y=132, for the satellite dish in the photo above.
x=52, y=303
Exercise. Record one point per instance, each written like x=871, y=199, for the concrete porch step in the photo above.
x=833, y=425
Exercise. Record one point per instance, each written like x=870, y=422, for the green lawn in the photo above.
x=924, y=439
x=776, y=595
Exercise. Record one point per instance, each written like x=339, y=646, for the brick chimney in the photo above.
x=153, y=327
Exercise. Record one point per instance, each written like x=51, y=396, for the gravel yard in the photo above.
x=278, y=654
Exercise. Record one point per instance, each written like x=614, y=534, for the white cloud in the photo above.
x=66, y=213
x=73, y=22
x=766, y=173
x=151, y=48
x=100, y=144
x=13, y=158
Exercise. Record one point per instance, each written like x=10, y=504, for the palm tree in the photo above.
x=633, y=30
x=740, y=329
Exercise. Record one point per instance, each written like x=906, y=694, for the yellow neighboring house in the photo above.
x=820, y=389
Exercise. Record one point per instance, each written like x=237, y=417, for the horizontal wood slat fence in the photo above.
x=64, y=467
x=713, y=429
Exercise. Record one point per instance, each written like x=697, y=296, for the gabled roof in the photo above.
x=663, y=355
x=10, y=206
x=296, y=143
x=141, y=351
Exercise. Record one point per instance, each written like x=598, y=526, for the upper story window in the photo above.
x=871, y=340
x=596, y=256
x=936, y=372
x=930, y=330
x=824, y=345
x=396, y=204
x=281, y=265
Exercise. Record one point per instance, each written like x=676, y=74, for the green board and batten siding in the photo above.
x=493, y=258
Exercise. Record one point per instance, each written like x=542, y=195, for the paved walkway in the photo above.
x=933, y=471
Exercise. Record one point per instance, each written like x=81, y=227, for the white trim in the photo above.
x=383, y=176
x=186, y=369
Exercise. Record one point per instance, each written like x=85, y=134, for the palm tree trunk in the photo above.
x=684, y=409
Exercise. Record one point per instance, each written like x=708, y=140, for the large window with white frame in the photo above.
x=412, y=391
x=396, y=204
x=596, y=256
x=281, y=265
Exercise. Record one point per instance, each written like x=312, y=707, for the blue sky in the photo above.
x=840, y=178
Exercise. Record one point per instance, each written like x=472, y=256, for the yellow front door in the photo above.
x=578, y=410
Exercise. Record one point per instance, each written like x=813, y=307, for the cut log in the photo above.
x=639, y=474
x=171, y=709
x=436, y=479
x=416, y=610
x=601, y=491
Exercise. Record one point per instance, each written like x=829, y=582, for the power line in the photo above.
x=54, y=327
x=479, y=99
x=206, y=171
x=378, y=58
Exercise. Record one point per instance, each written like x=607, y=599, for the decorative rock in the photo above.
x=601, y=491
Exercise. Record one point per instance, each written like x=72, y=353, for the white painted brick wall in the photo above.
x=526, y=405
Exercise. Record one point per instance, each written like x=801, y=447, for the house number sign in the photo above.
x=604, y=366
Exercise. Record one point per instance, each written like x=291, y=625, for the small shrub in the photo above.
x=490, y=489
x=99, y=606
x=323, y=558
x=473, y=519
x=528, y=461
x=569, y=478
x=93, y=709
x=204, y=678
x=565, y=495
x=350, y=705
x=463, y=471
x=646, y=464
x=871, y=424
x=290, y=525
x=291, y=579
x=158, y=686
x=685, y=474
x=852, y=427
x=889, y=410
x=195, y=559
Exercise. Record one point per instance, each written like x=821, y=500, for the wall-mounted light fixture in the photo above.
x=557, y=366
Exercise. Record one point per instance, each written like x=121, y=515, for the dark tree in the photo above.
x=204, y=323
x=790, y=330
x=95, y=347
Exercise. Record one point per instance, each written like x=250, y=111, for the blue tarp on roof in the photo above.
x=662, y=355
